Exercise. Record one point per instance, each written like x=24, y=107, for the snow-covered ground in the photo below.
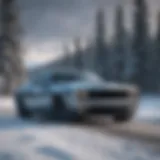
x=30, y=140
x=149, y=109
x=69, y=143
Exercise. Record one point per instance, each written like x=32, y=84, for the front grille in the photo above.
x=98, y=110
x=107, y=94
x=105, y=110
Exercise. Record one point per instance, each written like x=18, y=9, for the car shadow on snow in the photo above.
x=16, y=123
x=9, y=123
x=6, y=155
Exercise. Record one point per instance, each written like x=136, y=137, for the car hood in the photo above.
x=67, y=87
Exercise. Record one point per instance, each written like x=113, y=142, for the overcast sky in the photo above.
x=48, y=23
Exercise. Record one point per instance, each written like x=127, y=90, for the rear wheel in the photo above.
x=21, y=108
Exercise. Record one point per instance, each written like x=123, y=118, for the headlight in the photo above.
x=71, y=98
x=135, y=91
x=75, y=97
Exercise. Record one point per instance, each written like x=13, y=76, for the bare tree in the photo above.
x=10, y=44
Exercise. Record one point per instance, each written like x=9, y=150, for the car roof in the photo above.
x=65, y=70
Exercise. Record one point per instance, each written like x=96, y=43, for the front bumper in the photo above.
x=107, y=104
x=104, y=103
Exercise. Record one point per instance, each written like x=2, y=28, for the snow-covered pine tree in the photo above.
x=67, y=56
x=141, y=44
x=78, y=57
x=101, y=63
x=157, y=58
x=120, y=45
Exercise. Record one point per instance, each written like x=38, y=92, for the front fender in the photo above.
x=71, y=100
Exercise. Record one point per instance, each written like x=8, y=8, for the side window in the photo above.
x=92, y=77
x=51, y=79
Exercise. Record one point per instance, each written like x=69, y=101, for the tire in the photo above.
x=57, y=108
x=59, y=111
x=65, y=116
x=124, y=115
x=78, y=118
x=21, y=108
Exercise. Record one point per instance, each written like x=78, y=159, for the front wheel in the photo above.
x=21, y=108
x=124, y=115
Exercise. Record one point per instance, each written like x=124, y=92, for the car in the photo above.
x=73, y=94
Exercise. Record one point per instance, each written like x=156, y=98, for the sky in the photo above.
x=48, y=25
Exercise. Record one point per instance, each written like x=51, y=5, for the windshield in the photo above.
x=89, y=76
x=60, y=77
x=57, y=77
x=41, y=79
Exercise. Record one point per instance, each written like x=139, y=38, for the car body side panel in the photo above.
x=38, y=93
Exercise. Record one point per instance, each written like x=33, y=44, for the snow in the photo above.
x=6, y=104
x=69, y=142
x=149, y=108
x=44, y=141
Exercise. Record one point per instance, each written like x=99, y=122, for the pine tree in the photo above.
x=101, y=49
x=129, y=59
x=158, y=32
x=120, y=45
x=78, y=59
x=157, y=57
x=89, y=53
x=67, y=56
x=10, y=43
x=140, y=44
